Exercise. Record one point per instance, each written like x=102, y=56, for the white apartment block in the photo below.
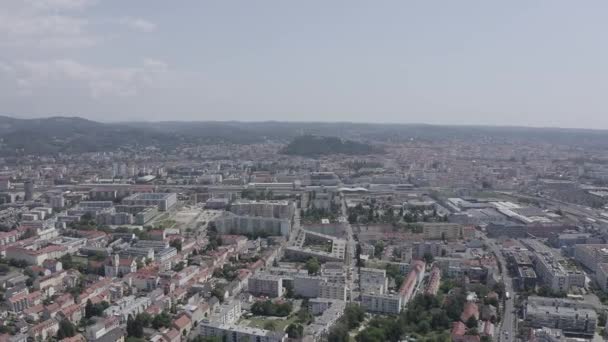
x=380, y=303
x=266, y=285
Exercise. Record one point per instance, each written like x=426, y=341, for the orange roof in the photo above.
x=182, y=322
x=458, y=329
x=470, y=309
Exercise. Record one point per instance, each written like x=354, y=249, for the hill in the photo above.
x=314, y=146
x=49, y=136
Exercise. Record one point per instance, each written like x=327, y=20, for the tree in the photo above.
x=353, y=315
x=88, y=309
x=339, y=333
x=161, y=320
x=177, y=244
x=428, y=258
x=66, y=329
x=295, y=330
x=179, y=266
x=601, y=318
x=471, y=322
x=378, y=249
x=219, y=292
x=134, y=328
x=313, y=266
x=372, y=334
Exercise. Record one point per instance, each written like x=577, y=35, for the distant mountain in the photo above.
x=48, y=136
x=314, y=146
x=69, y=135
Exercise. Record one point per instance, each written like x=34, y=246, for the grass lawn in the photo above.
x=260, y=321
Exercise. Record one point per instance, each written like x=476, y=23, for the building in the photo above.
x=591, y=255
x=236, y=333
x=164, y=201
x=231, y=223
x=227, y=313
x=373, y=280
x=411, y=281
x=433, y=282
x=266, y=285
x=127, y=306
x=330, y=311
x=601, y=276
x=381, y=303
x=434, y=248
x=275, y=209
x=117, y=267
x=28, y=187
x=554, y=275
x=57, y=202
x=442, y=231
x=44, y=330
x=331, y=290
x=307, y=286
x=571, y=316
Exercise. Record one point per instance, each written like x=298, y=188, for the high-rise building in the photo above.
x=28, y=185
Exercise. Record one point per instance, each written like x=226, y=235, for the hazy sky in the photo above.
x=541, y=63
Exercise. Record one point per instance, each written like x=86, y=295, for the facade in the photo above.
x=591, y=255
x=567, y=315
x=333, y=290
x=230, y=223
x=266, y=285
x=117, y=267
x=381, y=303
x=441, y=231
x=164, y=201
x=554, y=275
x=236, y=333
x=275, y=209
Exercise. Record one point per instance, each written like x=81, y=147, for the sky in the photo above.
x=517, y=62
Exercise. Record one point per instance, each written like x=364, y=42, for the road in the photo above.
x=508, y=324
x=350, y=259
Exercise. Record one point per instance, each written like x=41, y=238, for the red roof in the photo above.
x=470, y=309
x=182, y=322
x=458, y=329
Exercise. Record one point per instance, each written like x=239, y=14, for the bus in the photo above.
x=507, y=295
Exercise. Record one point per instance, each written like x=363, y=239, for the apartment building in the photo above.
x=237, y=333
x=568, y=315
x=591, y=255
x=266, y=285
x=381, y=303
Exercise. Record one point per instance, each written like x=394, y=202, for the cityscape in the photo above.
x=490, y=236
x=303, y=171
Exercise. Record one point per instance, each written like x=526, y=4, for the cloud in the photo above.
x=68, y=5
x=32, y=76
x=139, y=24
x=44, y=24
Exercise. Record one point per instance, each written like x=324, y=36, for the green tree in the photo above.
x=295, y=330
x=428, y=258
x=134, y=328
x=162, y=320
x=66, y=329
x=353, y=315
x=313, y=266
x=471, y=322
x=372, y=334
x=177, y=244
x=339, y=333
